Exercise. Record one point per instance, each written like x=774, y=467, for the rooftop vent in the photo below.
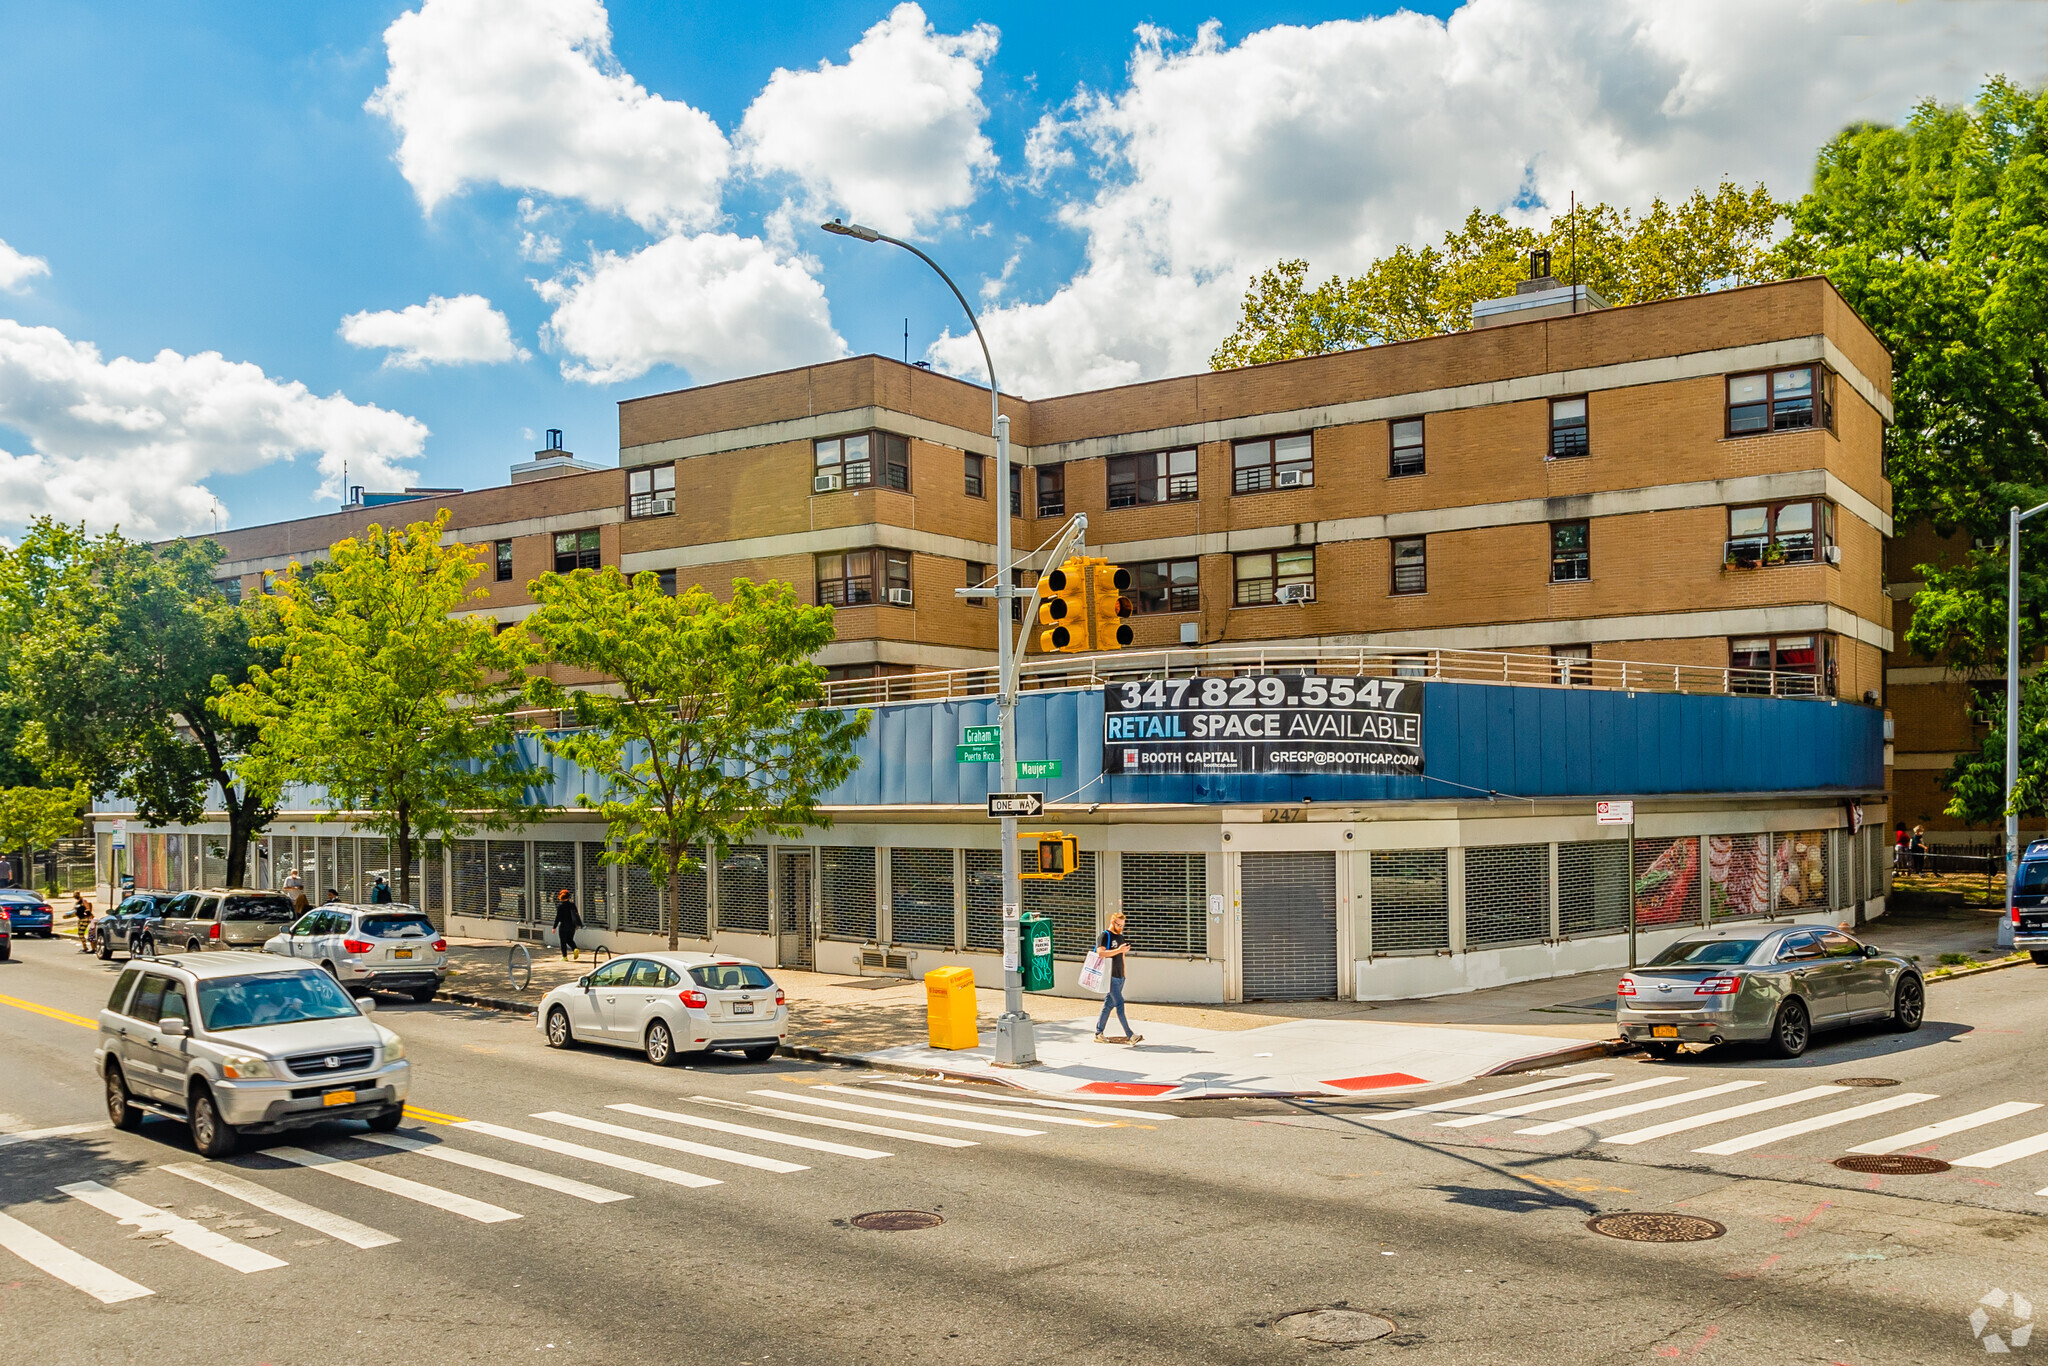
x=549, y=461
x=1539, y=296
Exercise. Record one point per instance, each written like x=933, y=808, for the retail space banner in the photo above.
x=1263, y=723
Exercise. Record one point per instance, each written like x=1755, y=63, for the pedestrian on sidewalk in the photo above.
x=1115, y=947
x=567, y=922
x=1919, y=849
x=380, y=892
x=1899, y=851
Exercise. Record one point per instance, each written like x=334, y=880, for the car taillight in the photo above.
x=213, y=930
x=695, y=1000
x=779, y=998
x=2015, y=913
x=355, y=946
x=440, y=946
x=1718, y=986
x=1625, y=987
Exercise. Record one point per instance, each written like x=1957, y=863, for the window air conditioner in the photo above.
x=1834, y=554
x=1287, y=479
x=1296, y=593
x=824, y=483
x=899, y=597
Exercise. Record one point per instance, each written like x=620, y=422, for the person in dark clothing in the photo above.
x=1115, y=947
x=567, y=922
x=380, y=892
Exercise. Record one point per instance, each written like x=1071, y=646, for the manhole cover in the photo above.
x=1335, y=1327
x=1862, y=1081
x=897, y=1220
x=1891, y=1164
x=1656, y=1228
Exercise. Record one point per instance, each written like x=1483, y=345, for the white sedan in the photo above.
x=670, y=1003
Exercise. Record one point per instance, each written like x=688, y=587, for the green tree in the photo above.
x=714, y=734
x=1629, y=258
x=1936, y=232
x=117, y=671
x=33, y=817
x=393, y=708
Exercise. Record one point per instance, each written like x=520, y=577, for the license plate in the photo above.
x=338, y=1098
x=1663, y=1031
x=742, y=1007
x=401, y=953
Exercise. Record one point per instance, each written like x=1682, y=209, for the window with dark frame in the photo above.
x=1168, y=586
x=1571, y=559
x=1791, y=666
x=651, y=492
x=1262, y=574
x=849, y=458
x=1411, y=565
x=1159, y=477
x=1780, y=400
x=503, y=551
x=977, y=575
x=1283, y=462
x=1020, y=579
x=895, y=461
x=1572, y=665
x=1404, y=448
x=576, y=550
x=847, y=579
x=974, y=487
x=1016, y=490
x=666, y=578
x=230, y=588
x=1568, y=434
x=1052, y=491
x=1796, y=532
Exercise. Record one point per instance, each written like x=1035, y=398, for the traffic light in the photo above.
x=1058, y=855
x=1108, y=604
x=1065, y=610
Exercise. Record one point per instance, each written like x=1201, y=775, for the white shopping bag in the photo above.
x=1095, y=972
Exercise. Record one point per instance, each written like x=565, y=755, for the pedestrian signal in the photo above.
x=1057, y=855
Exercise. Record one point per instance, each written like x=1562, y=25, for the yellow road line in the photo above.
x=432, y=1116
x=66, y=1016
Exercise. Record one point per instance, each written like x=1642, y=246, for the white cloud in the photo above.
x=1337, y=141
x=526, y=94
x=132, y=442
x=541, y=247
x=892, y=137
x=464, y=330
x=717, y=305
x=17, y=270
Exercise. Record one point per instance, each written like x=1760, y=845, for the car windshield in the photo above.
x=2033, y=877
x=273, y=908
x=273, y=998
x=397, y=927
x=1705, y=953
x=730, y=977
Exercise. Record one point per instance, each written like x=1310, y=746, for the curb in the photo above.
x=489, y=1002
x=1586, y=1052
x=1950, y=975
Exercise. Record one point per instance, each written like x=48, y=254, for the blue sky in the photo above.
x=202, y=179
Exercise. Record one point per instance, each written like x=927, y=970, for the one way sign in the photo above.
x=1015, y=804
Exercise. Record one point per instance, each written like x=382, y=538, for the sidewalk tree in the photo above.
x=1670, y=249
x=397, y=710
x=122, y=647
x=714, y=734
x=37, y=817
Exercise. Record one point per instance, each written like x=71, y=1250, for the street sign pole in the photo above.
x=1016, y=1046
x=1631, y=885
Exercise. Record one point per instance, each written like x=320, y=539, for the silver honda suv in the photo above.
x=233, y=1043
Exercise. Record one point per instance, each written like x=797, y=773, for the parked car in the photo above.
x=134, y=927
x=1779, y=984
x=239, y=1043
x=2030, y=902
x=29, y=912
x=6, y=937
x=666, y=1004
x=391, y=947
x=224, y=918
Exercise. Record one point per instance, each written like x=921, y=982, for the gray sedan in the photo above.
x=1779, y=984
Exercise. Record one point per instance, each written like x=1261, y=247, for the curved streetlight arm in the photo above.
x=867, y=234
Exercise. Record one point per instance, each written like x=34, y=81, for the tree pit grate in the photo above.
x=896, y=1220
x=1891, y=1164
x=1654, y=1227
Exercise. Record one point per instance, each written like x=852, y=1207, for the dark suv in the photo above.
x=133, y=927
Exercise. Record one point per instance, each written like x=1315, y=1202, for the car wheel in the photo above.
x=194, y=946
x=384, y=1121
x=760, y=1052
x=123, y=1114
x=142, y=946
x=212, y=1135
x=1662, y=1052
x=661, y=1045
x=1909, y=1005
x=2039, y=956
x=6, y=951
x=106, y=948
x=422, y=997
x=559, y=1033
x=1793, y=1030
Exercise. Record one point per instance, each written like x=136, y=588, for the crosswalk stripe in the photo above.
x=1536, y=1107
x=283, y=1206
x=1038, y=1101
x=1701, y=1121
x=673, y=1175
x=46, y=1254
x=2009, y=1152
x=818, y=1145
x=848, y=1125
x=176, y=1228
x=511, y=1171
x=1558, y=1126
x=56, y=1131
x=347, y=1170
x=1797, y=1127
x=673, y=1144
x=1928, y=1133
x=940, y=1120
x=1068, y=1121
x=1547, y=1084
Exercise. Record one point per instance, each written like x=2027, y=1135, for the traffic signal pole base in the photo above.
x=1016, y=1045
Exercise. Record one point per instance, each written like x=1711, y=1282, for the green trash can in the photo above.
x=1034, y=950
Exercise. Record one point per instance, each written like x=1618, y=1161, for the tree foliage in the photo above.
x=37, y=817
x=1670, y=249
x=398, y=711
x=714, y=734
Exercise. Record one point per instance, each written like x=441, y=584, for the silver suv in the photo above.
x=234, y=1043
x=222, y=918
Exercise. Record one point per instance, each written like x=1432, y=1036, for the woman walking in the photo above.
x=1919, y=849
x=567, y=922
x=1115, y=947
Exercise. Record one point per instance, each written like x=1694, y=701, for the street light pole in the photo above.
x=2012, y=708
x=1015, y=1044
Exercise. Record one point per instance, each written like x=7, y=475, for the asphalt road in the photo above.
x=1179, y=1235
